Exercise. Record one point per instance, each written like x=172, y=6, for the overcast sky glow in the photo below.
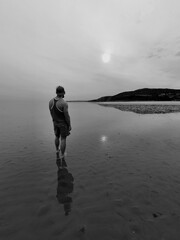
x=45, y=43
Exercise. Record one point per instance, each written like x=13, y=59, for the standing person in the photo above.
x=61, y=120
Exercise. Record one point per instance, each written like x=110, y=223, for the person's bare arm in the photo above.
x=67, y=117
x=50, y=105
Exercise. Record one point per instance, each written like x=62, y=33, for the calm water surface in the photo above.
x=101, y=136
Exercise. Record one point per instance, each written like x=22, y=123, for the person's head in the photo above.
x=60, y=91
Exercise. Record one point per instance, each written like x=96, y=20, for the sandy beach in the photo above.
x=110, y=69
x=121, y=181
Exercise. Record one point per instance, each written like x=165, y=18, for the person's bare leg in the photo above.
x=57, y=143
x=63, y=146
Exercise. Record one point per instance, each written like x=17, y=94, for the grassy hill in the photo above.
x=144, y=94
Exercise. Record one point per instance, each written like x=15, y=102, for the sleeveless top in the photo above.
x=57, y=114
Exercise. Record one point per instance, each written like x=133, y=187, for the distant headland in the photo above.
x=144, y=94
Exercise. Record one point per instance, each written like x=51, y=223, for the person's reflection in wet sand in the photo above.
x=65, y=185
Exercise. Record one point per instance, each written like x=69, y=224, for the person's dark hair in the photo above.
x=60, y=90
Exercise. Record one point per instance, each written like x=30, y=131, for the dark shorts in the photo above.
x=61, y=129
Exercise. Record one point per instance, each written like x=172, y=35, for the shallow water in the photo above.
x=122, y=179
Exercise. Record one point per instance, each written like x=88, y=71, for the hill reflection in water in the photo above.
x=145, y=108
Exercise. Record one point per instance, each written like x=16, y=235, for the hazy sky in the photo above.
x=45, y=43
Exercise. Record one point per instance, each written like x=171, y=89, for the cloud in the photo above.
x=45, y=43
x=177, y=54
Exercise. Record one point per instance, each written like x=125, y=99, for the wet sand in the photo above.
x=147, y=108
x=121, y=181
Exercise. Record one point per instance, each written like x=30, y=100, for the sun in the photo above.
x=106, y=57
x=103, y=138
